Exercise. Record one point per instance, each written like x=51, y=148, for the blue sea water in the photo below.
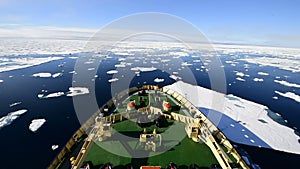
x=21, y=147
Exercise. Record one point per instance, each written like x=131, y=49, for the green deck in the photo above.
x=172, y=143
x=184, y=152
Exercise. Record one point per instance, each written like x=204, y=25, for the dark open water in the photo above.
x=21, y=148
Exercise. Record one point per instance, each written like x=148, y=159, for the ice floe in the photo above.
x=258, y=79
x=231, y=62
x=42, y=75
x=41, y=96
x=159, y=80
x=54, y=147
x=246, y=115
x=290, y=95
x=112, y=72
x=47, y=74
x=137, y=73
x=23, y=62
x=240, y=79
x=288, y=84
x=120, y=65
x=73, y=72
x=121, y=59
x=113, y=80
x=88, y=62
x=61, y=65
x=154, y=62
x=10, y=117
x=48, y=46
x=51, y=95
x=175, y=77
x=263, y=73
x=55, y=75
x=186, y=64
x=14, y=104
x=122, y=53
x=36, y=124
x=144, y=69
x=241, y=74
x=281, y=63
x=76, y=91
x=178, y=54
x=246, y=66
x=165, y=60
x=57, y=94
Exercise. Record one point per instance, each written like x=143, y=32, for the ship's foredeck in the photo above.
x=184, y=153
x=154, y=128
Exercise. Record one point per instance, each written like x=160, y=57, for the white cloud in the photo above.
x=45, y=32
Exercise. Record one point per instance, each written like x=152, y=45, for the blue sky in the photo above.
x=269, y=22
